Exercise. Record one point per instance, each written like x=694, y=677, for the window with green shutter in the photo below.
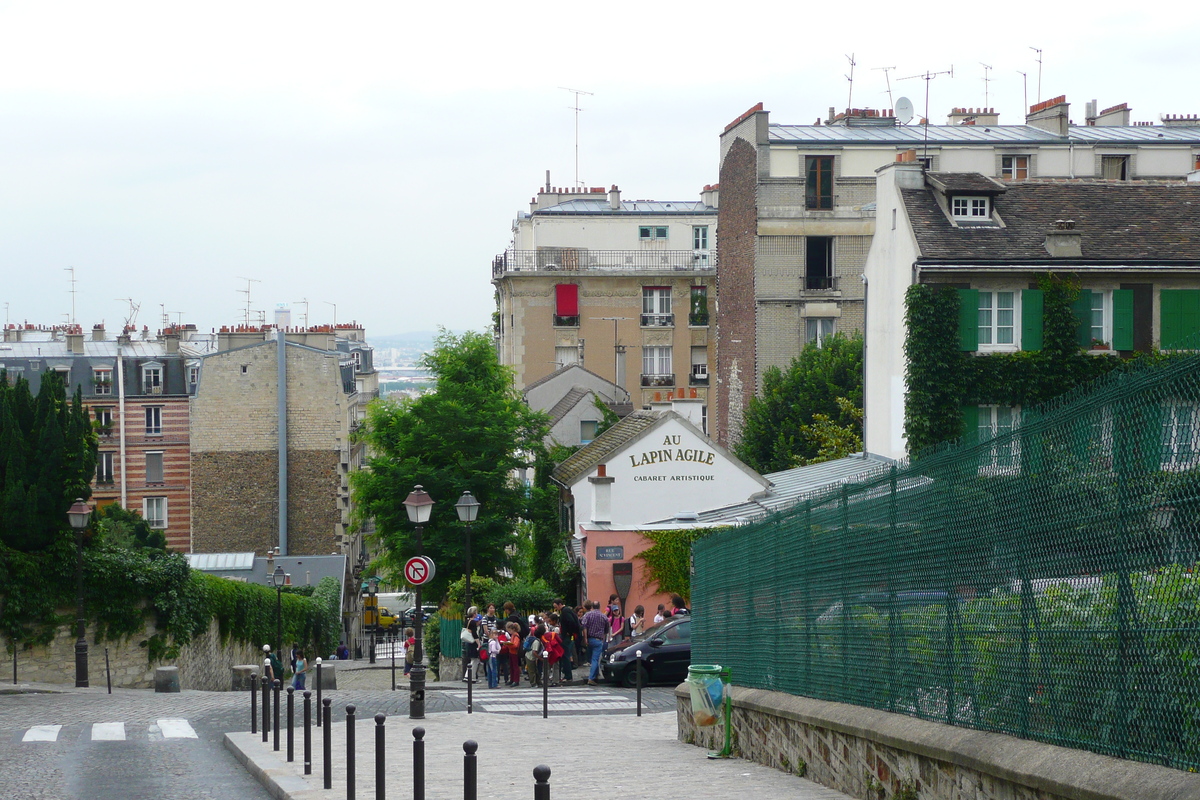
x=1122, y=327
x=1032, y=303
x=1082, y=308
x=968, y=319
x=1179, y=318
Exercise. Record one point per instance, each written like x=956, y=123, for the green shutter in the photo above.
x=970, y=415
x=1179, y=317
x=1031, y=319
x=1122, y=319
x=1083, y=318
x=968, y=319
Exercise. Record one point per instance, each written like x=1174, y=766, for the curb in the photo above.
x=277, y=780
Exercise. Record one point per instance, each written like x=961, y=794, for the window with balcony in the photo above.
x=104, y=421
x=699, y=237
x=154, y=511
x=104, y=468
x=818, y=263
x=698, y=314
x=566, y=305
x=154, y=467
x=656, y=307
x=152, y=379
x=699, y=373
x=656, y=367
x=818, y=182
x=153, y=420
x=102, y=381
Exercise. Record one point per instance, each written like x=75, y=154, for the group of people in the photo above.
x=550, y=645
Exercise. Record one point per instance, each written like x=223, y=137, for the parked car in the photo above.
x=410, y=614
x=666, y=654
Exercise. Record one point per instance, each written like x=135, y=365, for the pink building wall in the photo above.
x=600, y=582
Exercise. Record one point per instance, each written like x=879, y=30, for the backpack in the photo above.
x=410, y=651
x=533, y=649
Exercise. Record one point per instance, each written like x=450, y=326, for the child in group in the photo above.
x=493, y=651
x=533, y=654
x=410, y=649
x=552, y=640
x=513, y=648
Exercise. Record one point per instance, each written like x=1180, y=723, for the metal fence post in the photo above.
x=470, y=769
x=638, y=666
x=350, y=752
x=275, y=734
x=328, y=743
x=380, y=792
x=107, y=668
x=291, y=722
x=266, y=703
x=418, y=763
x=307, y=733
x=253, y=702
x=318, y=691
x=545, y=668
x=541, y=782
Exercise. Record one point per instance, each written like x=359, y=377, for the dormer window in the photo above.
x=970, y=208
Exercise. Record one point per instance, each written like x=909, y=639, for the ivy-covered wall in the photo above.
x=942, y=378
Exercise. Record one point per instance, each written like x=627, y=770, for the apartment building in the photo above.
x=798, y=210
x=621, y=287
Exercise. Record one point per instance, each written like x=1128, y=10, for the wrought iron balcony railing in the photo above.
x=658, y=380
x=574, y=259
x=658, y=320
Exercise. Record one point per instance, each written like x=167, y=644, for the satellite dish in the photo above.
x=904, y=110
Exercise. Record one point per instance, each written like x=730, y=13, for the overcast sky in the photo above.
x=373, y=155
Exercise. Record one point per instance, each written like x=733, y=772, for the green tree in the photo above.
x=815, y=402
x=473, y=432
x=126, y=529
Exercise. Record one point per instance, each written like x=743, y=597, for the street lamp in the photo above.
x=419, y=506
x=277, y=580
x=79, y=514
x=468, y=511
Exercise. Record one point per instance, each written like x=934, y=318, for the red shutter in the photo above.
x=566, y=297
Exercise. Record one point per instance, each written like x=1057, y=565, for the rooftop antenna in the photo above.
x=6, y=315
x=927, y=77
x=72, y=281
x=328, y=303
x=850, y=77
x=1025, y=84
x=166, y=318
x=305, y=302
x=1038, y=50
x=888, y=79
x=577, y=109
x=246, y=292
x=133, y=311
x=986, y=79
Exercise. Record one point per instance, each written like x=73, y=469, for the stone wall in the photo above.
x=203, y=664
x=875, y=755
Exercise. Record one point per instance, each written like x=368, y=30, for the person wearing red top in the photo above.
x=552, y=640
x=512, y=648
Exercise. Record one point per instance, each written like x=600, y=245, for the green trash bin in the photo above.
x=706, y=691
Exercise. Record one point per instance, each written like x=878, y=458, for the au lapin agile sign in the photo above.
x=672, y=453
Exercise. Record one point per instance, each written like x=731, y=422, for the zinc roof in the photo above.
x=629, y=207
x=912, y=135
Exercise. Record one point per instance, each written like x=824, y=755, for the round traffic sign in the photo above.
x=419, y=570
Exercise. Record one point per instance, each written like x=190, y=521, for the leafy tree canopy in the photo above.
x=809, y=413
x=471, y=433
x=125, y=529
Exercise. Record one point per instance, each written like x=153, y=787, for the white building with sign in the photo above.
x=651, y=465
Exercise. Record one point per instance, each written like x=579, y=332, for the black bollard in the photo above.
x=328, y=744
x=470, y=769
x=266, y=706
x=545, y=665
x=107, y=667
x=416, y=692
x=393, y=665
x=372, y=648
x=318, y=691
x=418, y=763
x=638, y=667
x=380, y=794
x=275, y=734
x=350, y=752
x=253, y=702
x=291, y=719
x=470, y=683
x=307, y=733
x=541, y=782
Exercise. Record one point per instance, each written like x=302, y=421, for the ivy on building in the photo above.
x=669, y=559
x=942, y=379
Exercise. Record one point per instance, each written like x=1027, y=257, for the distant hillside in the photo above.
x=418, y=340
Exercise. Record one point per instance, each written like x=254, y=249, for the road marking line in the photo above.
x=176, y=729
x=42, y=733
x=108, y=732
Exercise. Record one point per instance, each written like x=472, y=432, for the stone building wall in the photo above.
x=203, y=663
x=875, y=755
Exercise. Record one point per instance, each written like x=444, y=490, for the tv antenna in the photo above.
x=246, y=292
x=1038, y=50
x=166, y=318
x=986, y=79
x=329, y=303
x=1025, y=84
x=72, y=282
x=927, y=77
x=305, y=302
x=850, y=77
x=577, y=109
x=888, y=80
x=133, y=311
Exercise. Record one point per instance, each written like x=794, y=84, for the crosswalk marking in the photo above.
x=42, y=733
x=176, y=729
x=108, y=732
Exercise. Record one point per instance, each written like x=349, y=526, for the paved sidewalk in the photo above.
x=612, y=757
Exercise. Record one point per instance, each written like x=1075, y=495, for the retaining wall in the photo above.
x=203, y=664
x=875, y=755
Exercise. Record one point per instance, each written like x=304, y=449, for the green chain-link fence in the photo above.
x=1040, y=583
